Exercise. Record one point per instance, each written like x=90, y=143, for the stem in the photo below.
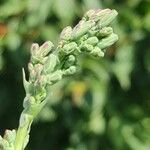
x=23, y=131
x=26, y=119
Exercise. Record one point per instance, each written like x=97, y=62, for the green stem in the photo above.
x=26, y=120
x=23, y=131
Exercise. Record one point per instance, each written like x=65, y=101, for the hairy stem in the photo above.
x=23, y=131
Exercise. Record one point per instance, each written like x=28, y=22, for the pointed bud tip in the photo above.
x=48, y=44
x=115, y=11
x=34, y=47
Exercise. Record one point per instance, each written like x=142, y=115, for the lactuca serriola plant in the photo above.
x=48, y=65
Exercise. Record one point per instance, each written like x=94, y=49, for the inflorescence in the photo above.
x=48, y=65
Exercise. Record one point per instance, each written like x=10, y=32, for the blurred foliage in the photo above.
x=107, y=104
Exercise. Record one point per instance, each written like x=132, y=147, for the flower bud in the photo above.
x=93, y=31
x=66, y=33
x=86, y=47
x=107, y=41
x=97, y=52
x=68, y=48
x=105, y=31
x=30, y=67
x=38, y=69
x=106, y=19
x=45, y=48
x=28, y=101
x=99, y=13
x=88, y=14
x=70, y=70
x=32, y=75
x=92, y=40
x=82, y=28
x=50, y=64
x=41, y=93
x=54, y=77
x=34, y=49
x=71, y=59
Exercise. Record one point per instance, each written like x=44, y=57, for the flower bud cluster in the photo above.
x=45, y=68
x=41, y=74
x=92, y=34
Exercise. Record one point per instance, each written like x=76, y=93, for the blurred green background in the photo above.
x=106, y=105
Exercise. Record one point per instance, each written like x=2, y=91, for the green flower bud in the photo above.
x=82, y=28
x=105, y=31
x=38, y=69
x=69, y=48
x=83, y=38
x=34, y=49
x=92, y=40
x=86, y=47
x=99, y=13
x=66, y=33
x=28, y=101
x=71, y=59
x=45, y=48
x=108, y=41
x=70, y=70
x=30, y=67
x=38, y=59
x=88, y=14
x=97, y=52
x=54, y=77
x=38, y=55
x=93, y=31
x=41, y=94
x=107, y=18
x=50, y=64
